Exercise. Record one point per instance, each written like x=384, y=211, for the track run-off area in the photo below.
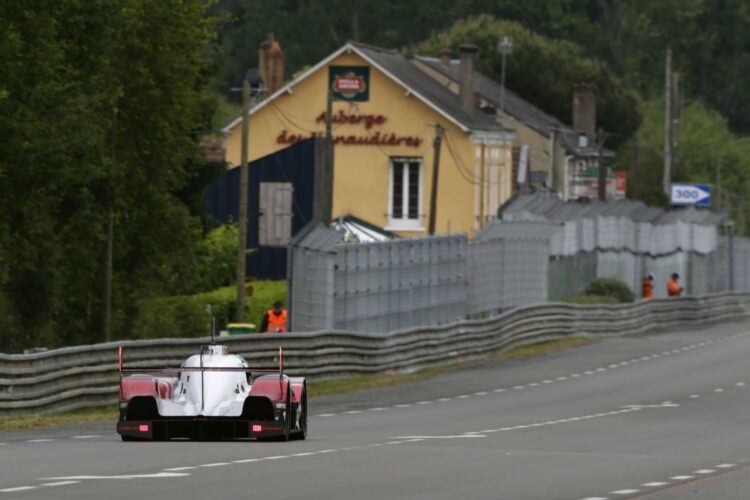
x=661, y=415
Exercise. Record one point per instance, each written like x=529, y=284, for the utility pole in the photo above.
x=717, y=173
x=242, y=222
x=435, y=176
x=328, y=178
x=504, y=46
x=667, y=179
x=634, y=168
x=602, y=184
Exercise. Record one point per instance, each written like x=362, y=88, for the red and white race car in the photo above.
x=213, y=395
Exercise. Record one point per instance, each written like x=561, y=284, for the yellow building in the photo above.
x=383, y=130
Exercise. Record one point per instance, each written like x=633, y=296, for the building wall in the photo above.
x=361, y=172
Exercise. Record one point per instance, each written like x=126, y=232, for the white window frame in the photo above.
x=405, y=223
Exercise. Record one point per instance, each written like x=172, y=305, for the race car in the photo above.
x=212, y=395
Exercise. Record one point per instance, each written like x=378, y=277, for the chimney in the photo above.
x=466, y=78
x=445, y=57
x=584, y=109
x=271, y=62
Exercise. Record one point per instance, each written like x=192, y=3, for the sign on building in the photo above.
x=349, y=83
x=690, y=194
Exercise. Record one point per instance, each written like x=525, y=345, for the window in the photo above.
x=405, y=194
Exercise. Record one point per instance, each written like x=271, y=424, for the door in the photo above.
x=275, y=224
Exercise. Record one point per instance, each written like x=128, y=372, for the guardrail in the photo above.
x=83, y=376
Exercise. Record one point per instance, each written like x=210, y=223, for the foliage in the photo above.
x=544, y=71
x=704, y=139
x=185, y=315
x=610, y=287
x=102, y=99
x=216, y=256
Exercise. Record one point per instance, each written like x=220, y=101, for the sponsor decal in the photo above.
x=349, y=83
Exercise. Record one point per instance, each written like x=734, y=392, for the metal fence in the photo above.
x=75, y=377
x=628, y=240
x=375, y=287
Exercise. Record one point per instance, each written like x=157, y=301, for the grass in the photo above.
x=323, y=388
x=99, y=414
x=360, y=382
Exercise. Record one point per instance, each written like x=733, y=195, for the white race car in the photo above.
x=213, y=395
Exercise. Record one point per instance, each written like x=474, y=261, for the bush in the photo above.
x=185, y=315
x=591, y=299
x=610, y=287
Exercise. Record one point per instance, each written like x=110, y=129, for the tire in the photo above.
x=288, y=412
x=301, y=434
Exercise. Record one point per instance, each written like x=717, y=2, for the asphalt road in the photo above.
x=660, y=416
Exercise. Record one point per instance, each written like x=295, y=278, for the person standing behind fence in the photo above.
x=648, y=287
x=274, y=320
x=673, y=286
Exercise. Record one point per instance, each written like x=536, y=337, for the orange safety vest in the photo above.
x=673, y=288
x=648, y=288
x=276, y=323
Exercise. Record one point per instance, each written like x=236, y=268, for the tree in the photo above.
x=544, y=71
x=102, y=104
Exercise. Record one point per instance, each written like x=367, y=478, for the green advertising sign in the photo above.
x=349, y=83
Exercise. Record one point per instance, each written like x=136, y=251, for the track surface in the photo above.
x=661, y=416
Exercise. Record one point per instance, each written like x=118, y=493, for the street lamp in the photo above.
x=505, y=46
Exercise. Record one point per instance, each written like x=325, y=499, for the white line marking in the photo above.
x=624, y=492
x=424, y=403
x=725, y=466
x=326, y=451
x=59, y=483
x=601, y=369
x=613, y=366
x=575, y=375
x=498, y=390
x=217, y=464
x=442, y=400
x=719, y=390
x=244, y=461
x=305, y=454
x=176, y=469
x=547, y=381
x=394, y=442
x=681, y=478
x=740, y=384
x=462, y=396
x=460, y=436
x=654, y=484
x=517, y=387
x=589, y=372
x=414, y=440
x=704, y=471
x=40, y=440
x=594, y=498
x=88, y=436
x=325, y=415
x=131, y=476
x=276, y=457
x=18, y=488
x=484, y=393
x=694, y=396
x=380, y=408
x=562, y=378
x=353, y=412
